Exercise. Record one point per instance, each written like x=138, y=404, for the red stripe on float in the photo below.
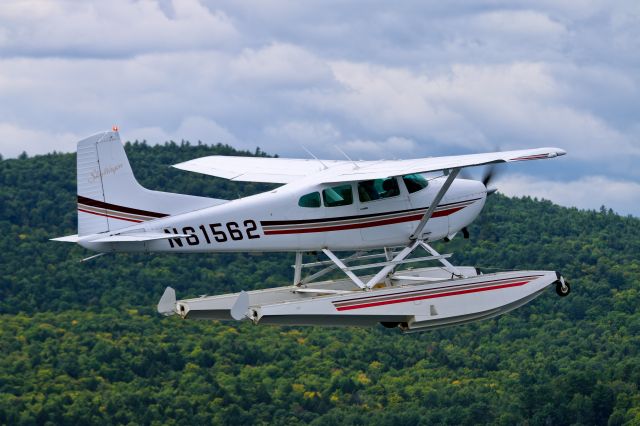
x=431, y=296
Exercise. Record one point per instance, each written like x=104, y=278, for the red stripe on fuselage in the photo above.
x=431, y=296
x=382, y=222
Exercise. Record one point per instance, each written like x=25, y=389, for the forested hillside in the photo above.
x=81, y=343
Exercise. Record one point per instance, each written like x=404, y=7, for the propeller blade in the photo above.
x=489, y=175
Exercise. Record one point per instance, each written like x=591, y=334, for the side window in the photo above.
x=341, y=195
x=415, y=182
x=310, y=200
x=370, y=190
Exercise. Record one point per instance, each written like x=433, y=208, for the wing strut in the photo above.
x=344, y=268
x=452, y=175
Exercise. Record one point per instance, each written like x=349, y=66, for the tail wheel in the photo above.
x=562, y=287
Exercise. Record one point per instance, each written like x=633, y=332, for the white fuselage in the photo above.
x=274, y=221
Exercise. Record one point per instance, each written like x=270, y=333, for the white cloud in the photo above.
x=589, y=192
x=279, y=65
x=15, y=139
x=288, y=136
x=510, y=23
x=391, y=148
x=115, y=28
x=192, y=129
x=476, y=107
x=387, y=80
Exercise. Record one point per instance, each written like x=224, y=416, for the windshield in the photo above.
x=415, y=182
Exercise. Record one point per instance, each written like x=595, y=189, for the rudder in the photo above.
x=110, y=197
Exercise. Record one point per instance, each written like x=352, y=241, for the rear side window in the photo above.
x=340, y=195
x=370, y=190
x=310, y=200
x=415, y=182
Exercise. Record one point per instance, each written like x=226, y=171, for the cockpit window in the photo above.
x=310, y=200
x=415, y=182
x=335, y=196
x=370, y=190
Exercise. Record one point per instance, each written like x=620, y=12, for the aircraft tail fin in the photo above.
x=110, y=197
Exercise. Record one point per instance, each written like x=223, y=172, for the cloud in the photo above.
x=15, y=139
x=291, y=136
x=518, y=23
x=589, y=192
x=390, y=148
x=192, y=129
x=118, y=28
x=387, y=80
x=279, y=65
x=515, y=105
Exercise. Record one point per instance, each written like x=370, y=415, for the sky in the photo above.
x=377, y=79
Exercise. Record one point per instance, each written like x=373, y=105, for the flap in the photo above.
x=257, y=169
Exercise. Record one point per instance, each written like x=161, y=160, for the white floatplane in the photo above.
x=380, y=212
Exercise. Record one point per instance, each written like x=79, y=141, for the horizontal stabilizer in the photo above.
x=67, y=239
x=143, y=236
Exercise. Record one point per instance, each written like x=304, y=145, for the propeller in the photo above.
x=490, y=173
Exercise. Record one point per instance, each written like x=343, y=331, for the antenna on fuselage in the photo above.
x=311, y=154
x=346, y=156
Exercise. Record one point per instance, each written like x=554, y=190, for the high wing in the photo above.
x=284, y=170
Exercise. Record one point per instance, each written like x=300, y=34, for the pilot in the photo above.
x=390, y=187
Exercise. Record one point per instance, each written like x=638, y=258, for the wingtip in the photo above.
x=555, y=152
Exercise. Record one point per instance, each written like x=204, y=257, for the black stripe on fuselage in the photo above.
x=362, y=216
x=115, y=207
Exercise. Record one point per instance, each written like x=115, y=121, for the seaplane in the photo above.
x=369, y=224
